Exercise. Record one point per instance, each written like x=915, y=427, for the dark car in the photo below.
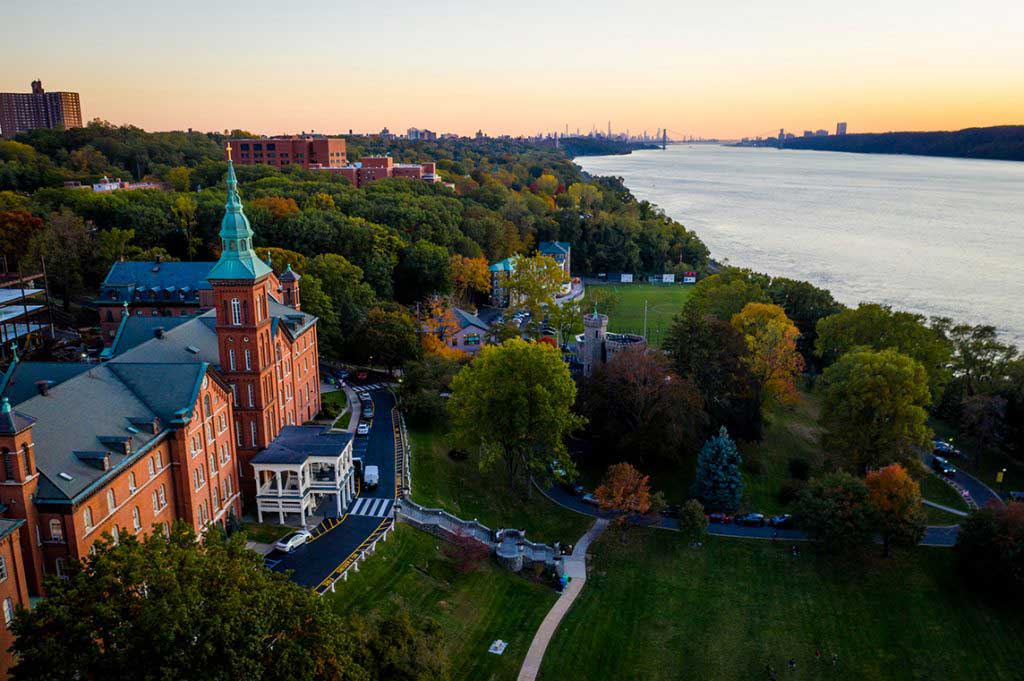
x=589, y=498
x=671, y=511
x=1016, y=496
x=784, y=520
x=751, y=520
x=943, y=448
x=367, y=412
x=718, y=517
x=943, y=467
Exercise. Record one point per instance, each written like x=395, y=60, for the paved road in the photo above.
x=337, y=538
x=935, y=535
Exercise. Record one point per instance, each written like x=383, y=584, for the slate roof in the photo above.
x=12, y=422
x=295, y=444
x=191, y=342
x=467, y=319
x=83, y=413
x=171, y=395
x=553, y=247
x=149, y=280
x=136, y=330
x=8, y=525
x=19, y=382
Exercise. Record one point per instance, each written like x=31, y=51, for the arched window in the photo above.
x=136, y=519
x=149, y=465
x=111, y=501
x=131, y=483
x=87, y=518
x=163, y=496
x=156, y=503
x=56, y=530
x=236, y=312
x=27, y=461
x=207, y=411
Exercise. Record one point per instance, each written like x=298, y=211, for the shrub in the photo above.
x=791, y=490
x=799, y=468
x=456, y=454
x=990, y=550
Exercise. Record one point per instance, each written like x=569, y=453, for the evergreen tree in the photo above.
x=719, y=480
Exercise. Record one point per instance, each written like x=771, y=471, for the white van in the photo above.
x=371, y=476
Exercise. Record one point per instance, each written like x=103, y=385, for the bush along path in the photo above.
x=575, y=568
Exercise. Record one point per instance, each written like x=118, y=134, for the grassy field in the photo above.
x=408, y=571
x=334, y=404
x=656, y=609
x=462, y=488
x=627, y=316
x=267, y=533
x=936, y=490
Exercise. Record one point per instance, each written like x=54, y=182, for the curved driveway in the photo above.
x=935, y=535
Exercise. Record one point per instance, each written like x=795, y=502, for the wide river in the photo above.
x=938, y=236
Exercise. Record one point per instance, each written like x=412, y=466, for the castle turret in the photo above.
x=290, y=287
x=595, y=329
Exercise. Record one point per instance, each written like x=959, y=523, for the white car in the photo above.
x=363, y=428
x=371, y=476
x=292, y=541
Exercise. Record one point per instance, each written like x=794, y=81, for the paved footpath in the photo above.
x=576, y=567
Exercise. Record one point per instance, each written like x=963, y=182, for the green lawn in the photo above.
x=663, y=303
x=409, y=572
x=334, y=404
x=461, y=488
x=267, y=533
x=658, y=610
x=935, y=489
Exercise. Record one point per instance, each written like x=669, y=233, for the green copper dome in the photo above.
x=238, y=259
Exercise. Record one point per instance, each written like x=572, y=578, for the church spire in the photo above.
x=238, y=259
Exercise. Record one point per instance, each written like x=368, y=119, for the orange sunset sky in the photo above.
x=724, y=69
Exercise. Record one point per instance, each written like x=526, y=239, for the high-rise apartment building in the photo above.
x=840, y=128
x=23, y=111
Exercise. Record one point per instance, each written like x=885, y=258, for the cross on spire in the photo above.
x=229, y=150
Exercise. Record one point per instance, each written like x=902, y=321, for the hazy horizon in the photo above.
x=728, y=72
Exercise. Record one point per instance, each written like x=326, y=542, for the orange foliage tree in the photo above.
x=774, y=360
x=438, y=324
x=279, y=207
x=896, y=498
x=469, y=275
x=625, y=490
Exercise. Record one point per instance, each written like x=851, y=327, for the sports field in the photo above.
x=627, y=315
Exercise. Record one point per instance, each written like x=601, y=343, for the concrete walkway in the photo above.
x=576, y=567
x=947, y=509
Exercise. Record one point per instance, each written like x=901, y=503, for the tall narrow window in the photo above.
x=111, y=501
x=3, y=569
x=56, y=531
x=87, y=518
x=248, y=359
x=231, y=359
x=8, y=611
x=236, y=312
x=252, y=402
x=234, y=392
x=136, y=519
x=252, y=431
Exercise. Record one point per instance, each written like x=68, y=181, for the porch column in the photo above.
x=277, y=479
x=337, y=497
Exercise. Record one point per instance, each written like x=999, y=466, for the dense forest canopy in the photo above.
x=1004, y=142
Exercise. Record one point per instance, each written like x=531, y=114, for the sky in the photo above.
x=722, y=68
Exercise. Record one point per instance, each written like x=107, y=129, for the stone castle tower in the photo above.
x=595, y=331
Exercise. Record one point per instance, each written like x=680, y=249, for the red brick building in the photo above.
x=282, y=152
x=165, y=428
x=13, y=589
x=23, y=111
x=374, y=168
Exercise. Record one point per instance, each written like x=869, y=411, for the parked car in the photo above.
x=589, y=498
x=363, y=428
x=943, y=467
x=556, y=470
x=1016, y=496
x=371, y=476
x=751, y=520
x=292, y=541
x=943, y=448
x=671, y=511
x=368, y=412
x=783, y=520
x=718, y=517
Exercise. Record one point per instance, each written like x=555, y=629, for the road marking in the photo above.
x=373, y=507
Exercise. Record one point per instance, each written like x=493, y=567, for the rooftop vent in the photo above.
x=64, y=476
x=145, y=424
x=193, y=349
x=43, y=386
x=158, y=332
x=100, y=460
x=122, y=444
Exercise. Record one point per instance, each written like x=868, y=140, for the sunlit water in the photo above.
x=938, y=236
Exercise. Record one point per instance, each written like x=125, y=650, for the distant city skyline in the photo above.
x=730, y=71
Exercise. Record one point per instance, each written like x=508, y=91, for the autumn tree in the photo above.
x=727, y=293
x=512, y=405
x=17, y=228
x=319, y=201
x=469, y=276
x=624, y=491
x=279, y=207
x=836, y=512
x=534, y=283
x=281, y=258
x=774, y=360
x=873, y=408
x=64, y=244
x=896, y=499
x=641, y=411
x=719, y=479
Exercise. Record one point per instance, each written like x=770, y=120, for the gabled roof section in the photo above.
x=136, y=330
x=467, y=319
x=154, y=281
x=296, y=444
x=191, y=342
x=170, y=393
x=294, y=321
x=12, y=422
x=21, y=382
x=553, y=247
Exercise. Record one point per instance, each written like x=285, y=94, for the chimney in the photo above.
x=156, y=263
x=158, y=332
x=43, y=387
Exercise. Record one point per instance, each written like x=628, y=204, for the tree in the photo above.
x=878, y=327
x=983, y=417
x=279, y=207
x=535, y=282
x=395, y=648
x=566, y=319
x=184, y=211
x=343, y=283
x=390, y=337
x=179, y=178
x=874, y=408
x=714, y=355
x=281, y=258
x=979, y=357
x=806, y=305
x=423, y=270
x=625, y=491
x=320, y=201
x=63, y=243
x=603, y=299
x=896, y=499
x=725, y=294
x=990, y=551
x=512, y=403
x=693, y=522
x=161, y=608
x=641, y=411
x=835, y=512
x=316, y=302
x=469, y=276
x=17, y=228
x=719, y=480
x=774, y=360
